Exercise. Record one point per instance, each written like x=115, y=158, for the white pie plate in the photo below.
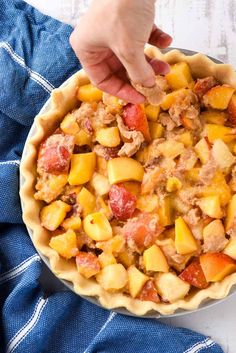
x=152, y=314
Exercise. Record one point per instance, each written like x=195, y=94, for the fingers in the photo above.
x=159, y=38
x=137, y=67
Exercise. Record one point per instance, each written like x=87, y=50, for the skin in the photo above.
x=109, y=42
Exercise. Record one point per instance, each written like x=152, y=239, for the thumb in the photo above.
x=137, y=67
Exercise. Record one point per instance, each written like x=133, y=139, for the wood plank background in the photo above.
x=208, y=26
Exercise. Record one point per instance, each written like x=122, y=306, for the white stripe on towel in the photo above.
x=16, y=162
x=42, y=81
x=197, y=347
x=26, y=329
x=16, y=271
x=110, y=317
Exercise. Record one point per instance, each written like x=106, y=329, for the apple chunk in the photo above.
x=230, y=248
x=222, y=155
x=202, y=150
x=210, y=205
x=216, y=266
x=170, y=287
x=218, y=97
x=112, y=277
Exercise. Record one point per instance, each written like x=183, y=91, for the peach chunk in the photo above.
x=136, y=280
x=87, y=201
x=97, y=226
x=216, y=266
x=230, y=214
x=194, y=275
x=214, y=117
x=203, y=85
x=82, y=168
x=218, y=97
x=214, y=132
x=152, y=112
x=135, y=118
x=179, y=76
x=155, y=260
x=232, y=110
x=89, y=93
x=108, y=136
x=52, y=215
x=210, y=206
x=124, y=169
x=185, y=242
x=87, y=264
x=149, y=293
x=65, y=244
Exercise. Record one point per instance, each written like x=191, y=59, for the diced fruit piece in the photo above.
x=142, y=230
x=165, y=212
x=187, y=122
x=73, y=222
x=219, y=187
x=53, y=215
x=101, y=166
x=154, y=259
x=122, y=202
x=210, y=206
x=170, y=98
x=100, y=183
x=127, y=258
x=203, y=85
x=215, y=132
x=194, y=275
x=185, y=138
x=108, y=136
x=104, y=208
x=87, y=201
x=112, y=103
x=170, y=150
x=152, y=112
x=112, y=277
x=156, y=130
x=230, y=248
x=87, y=264
x=222, y=154
x=214, y=239
x=82, y=168
x=133, y=186
x=83, y=138
x=69, y=125
x=65, y=244
x=136, y=280
x=193, y=174
x=149, y=293
x=185, y=242
x=106, y=259
x=89, y=93
x=114, y=245
x=123, y=169
x=97, y=226
x=147, y=203
x=49, y=186
x=230, y=214
x=214, y=117
x=55, y=154
x=135, y=118
x=218, y=97
x=202, y=150
x=173, y=184
x=232, y=110
x=179, y=76
x=216, y=266
x=170, y=287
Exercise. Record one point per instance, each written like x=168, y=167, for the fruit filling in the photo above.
x=141, y=197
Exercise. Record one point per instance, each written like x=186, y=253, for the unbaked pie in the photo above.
x=136, y=204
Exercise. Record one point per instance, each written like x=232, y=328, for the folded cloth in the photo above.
x=35, y=57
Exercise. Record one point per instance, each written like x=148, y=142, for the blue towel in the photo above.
x=35, y=57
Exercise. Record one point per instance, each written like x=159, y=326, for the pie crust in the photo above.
x=62, y=101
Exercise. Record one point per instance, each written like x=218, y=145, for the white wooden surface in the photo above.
x=208, y=26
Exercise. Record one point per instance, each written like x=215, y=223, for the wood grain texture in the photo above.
x=208, y=26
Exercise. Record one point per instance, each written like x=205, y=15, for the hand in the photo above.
x=109, y=42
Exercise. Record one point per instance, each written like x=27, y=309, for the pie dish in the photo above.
x=139, y=212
